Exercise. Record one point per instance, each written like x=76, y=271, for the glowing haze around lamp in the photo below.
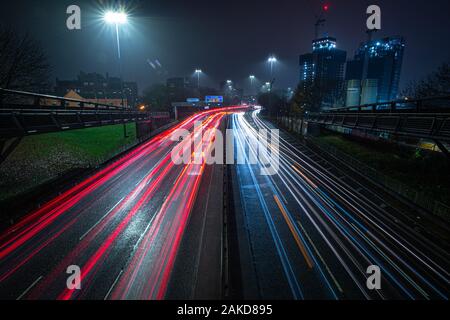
x=115, y=17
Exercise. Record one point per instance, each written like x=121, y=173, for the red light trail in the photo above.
x=148, y=273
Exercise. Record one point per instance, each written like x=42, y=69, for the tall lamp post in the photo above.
x=198, y=72
x=272, y=60
x=118, y=18
x=252, y=79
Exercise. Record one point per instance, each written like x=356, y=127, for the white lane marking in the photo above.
x=113, y=285
x=143, y=233
x=29, y=288
x=279, y=191
x=137, y=183
x=101, y=219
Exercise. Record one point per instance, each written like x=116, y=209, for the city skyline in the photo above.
x=229, y=157
x=170, y=27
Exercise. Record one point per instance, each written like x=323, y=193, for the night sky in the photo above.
x=226, y=39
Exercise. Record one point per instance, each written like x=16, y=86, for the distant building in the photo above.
x=231, y=94
x=131, y=92
x=353, y=93
x=178, y=83
x=377, y=67
x=324, y=68
x=95, y=87
x=369, y=91
x=225, y=86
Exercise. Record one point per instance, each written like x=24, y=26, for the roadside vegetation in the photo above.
x=424, y=171
x=41, y=158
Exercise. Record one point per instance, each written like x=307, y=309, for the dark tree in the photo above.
x=23, y=63
x=272, y=102
x=297, y=104
x=307, y=98
x=157, y=97
x=436, y=84
x=160, y=98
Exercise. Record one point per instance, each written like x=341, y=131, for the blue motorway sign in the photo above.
x=214, y=99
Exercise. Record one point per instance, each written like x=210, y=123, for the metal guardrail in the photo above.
x=28, y=122
x=419, y=198
x=25, y=113
x=425, y=105
x=434, y=126
x=14, y=99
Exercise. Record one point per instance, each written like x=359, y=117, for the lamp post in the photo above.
x=252, y=79
x=198, y=72
x=117, y=18
x=272, y=60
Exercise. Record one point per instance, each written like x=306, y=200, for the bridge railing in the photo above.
x=420, y=125
x=13, y=99
x=425, y=105
x=25, y=113
x=421, y=199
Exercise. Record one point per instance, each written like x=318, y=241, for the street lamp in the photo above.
x=115, y=17
x=118, y=18
x=198, y=72
x=252, y=79
x=271, y=61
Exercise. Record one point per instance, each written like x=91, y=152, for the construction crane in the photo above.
x=320, y=19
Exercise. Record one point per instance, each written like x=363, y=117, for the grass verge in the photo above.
x=423, y=171
x=41, y=158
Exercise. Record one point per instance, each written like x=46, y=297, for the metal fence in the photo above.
x=434, y=126
x=419, y=198
x=424, y=105
x=293, y=124
x=26, y=113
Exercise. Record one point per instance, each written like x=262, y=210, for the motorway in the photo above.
x=144, y=227
x=306, y=233
x=122, y=226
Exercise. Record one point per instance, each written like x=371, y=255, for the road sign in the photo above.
x=192, y=100
x=214, y=99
